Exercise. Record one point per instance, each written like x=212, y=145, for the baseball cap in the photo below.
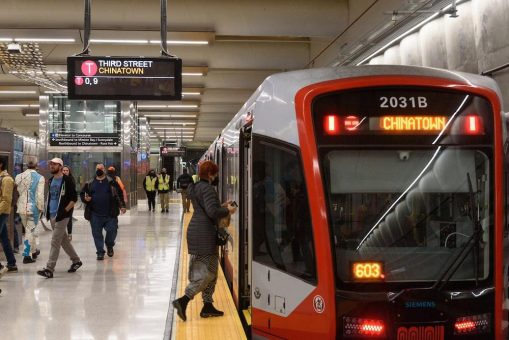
x=57, y=161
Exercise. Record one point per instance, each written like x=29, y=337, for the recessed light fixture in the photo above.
x=182, y=42
x=192, y=74
x=31, y=115
x=44, y=39
x=119, y=41
x=191, y=93
x=17, y=92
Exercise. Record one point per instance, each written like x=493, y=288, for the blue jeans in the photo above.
x=4, y=238
x=98, y=223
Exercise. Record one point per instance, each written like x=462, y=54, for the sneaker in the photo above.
x=69, y=237
x=3, y=270
x=75, y=266
x=37, y=253
x=28, y=259
x=110, y=251
x=100, y=257
x=12, y=269
x=208, y=310
x=16, y=250
x=46, y=273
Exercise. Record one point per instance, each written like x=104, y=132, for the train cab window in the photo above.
x=412, y=210
x=282, y=233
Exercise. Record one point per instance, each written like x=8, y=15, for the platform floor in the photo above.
x=124, y=297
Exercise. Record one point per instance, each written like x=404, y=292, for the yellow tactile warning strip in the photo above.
x=228, y=326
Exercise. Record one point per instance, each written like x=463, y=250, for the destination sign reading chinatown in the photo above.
x=124, y=78
x=84, y=139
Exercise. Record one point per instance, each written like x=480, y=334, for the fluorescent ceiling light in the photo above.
x=168, y=116
x=173, y=128
x=31, y=115
x=171, y=106
x=6, y=39
x=120, y=41
x=54, y=92
x=44, y=40
x=182, y=42
x=17, y=92
x=155, y=122
x=14, y=105
x=191, y=93
x=406, y=33
x=192, y=73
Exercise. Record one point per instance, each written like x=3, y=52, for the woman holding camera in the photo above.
x=201, y=241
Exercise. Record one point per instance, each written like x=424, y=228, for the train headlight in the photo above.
x=367, y=328
x=474, y=324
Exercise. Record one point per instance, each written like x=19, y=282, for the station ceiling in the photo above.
x=231, y=47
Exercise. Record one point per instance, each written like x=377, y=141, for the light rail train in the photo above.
x=371, y=205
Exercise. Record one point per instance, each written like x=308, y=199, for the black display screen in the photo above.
x=124, y=78
x=402, y=115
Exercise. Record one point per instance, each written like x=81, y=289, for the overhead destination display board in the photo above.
x=124, y=78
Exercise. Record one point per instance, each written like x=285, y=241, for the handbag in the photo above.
x=222, y=235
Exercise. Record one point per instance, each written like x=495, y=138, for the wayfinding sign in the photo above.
x=84, y=139
x=124, y=78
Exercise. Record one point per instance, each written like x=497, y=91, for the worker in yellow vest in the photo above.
x=150, y=185
x=164, y=189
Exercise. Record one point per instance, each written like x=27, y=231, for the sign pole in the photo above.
x=86, y=28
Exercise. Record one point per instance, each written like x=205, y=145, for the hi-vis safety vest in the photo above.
x=164, y=184
x=150, y=183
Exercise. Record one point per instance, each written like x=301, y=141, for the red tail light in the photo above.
x=476, y=324
x=366, y=328
x=331, y=125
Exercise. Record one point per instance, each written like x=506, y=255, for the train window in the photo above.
x=282, y=233
x=412, y=210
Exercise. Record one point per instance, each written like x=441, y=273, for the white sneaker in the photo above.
x=3, y=270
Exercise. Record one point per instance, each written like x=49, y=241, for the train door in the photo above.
x=245, y=246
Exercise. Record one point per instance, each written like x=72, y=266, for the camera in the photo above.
x=14, y=48
x=404, y=155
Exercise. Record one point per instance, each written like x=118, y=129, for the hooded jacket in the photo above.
x=201, y=232
x=6, y=189
x=30, y=186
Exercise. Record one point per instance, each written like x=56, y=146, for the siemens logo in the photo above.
x=420, y=304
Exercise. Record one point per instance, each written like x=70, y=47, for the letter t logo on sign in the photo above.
x=89, y=68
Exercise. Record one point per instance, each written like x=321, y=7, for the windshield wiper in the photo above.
x=466, y=248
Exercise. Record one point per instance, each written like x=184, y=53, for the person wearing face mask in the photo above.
x=103, y=203
x=201, y=241
x=163, y=189
x=182, y=183
x=150, y=184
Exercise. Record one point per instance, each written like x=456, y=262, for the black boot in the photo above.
x=209, y=310
x=180, y=305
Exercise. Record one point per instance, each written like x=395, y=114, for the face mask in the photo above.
x=99, y=172
x=111, y=174
x=152, y=174
x=215, y=182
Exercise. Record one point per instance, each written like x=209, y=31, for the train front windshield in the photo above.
x=408, y=175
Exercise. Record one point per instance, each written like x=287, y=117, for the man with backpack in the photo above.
x=104, y=201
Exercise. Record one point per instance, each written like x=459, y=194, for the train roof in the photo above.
x=273, y=103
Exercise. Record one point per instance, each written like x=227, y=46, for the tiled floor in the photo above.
x=124, y=297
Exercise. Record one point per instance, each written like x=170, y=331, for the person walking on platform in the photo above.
x=6, y=191
x=112, y=172
x=183, y=182
x=103, y=203
x=30, y=186
x=62, y=197
x=150, y=185
x=67, y=171
x=201, y=242
x=163, y=188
